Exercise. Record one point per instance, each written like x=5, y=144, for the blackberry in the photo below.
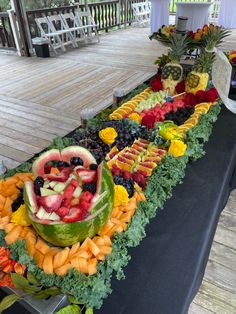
x=93, y=167
x=38, y=183
x=91, y=187
x=76, y=161
x=128, y=184
x=59, y=163
x=18, y=202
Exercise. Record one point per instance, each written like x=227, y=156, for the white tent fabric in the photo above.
x=159, y=14
x=227, y=16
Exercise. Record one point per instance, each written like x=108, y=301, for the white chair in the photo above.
x=48, y=31
x=56, y=22
x=86, y=21
x=214, y=11
x=71, y=23
x=141, y=12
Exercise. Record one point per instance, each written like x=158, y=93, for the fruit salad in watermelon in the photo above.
x=71, y=197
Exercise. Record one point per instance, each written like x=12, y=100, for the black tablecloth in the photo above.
x=167, y=268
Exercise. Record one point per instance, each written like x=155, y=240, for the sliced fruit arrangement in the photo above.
x=128, y=107
x=73, y=200
x=151, y=101
x=82, y=256
x=141, y=156
x=199, y=109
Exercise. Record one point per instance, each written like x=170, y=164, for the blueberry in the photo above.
x=76, y=161
x=59, y=163
x=93, y=167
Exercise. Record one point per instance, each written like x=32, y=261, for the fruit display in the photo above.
x=73, y=200
x=68, y=221
x=232, y=56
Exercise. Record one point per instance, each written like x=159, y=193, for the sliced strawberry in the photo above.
x=86, y=175
x=84, y=205
x=50, y=202
x=127, y=175
x=75, y=214
x=62, y=211
x=86, y=196
x=60, y=177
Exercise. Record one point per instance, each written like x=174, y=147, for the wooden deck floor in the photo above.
x=42, y=98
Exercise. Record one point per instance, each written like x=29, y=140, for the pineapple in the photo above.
x=198, y=78
x=172, y=72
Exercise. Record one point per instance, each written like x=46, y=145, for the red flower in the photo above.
x=200, y=96
x=189, y=100
x=233, y=60
x=149, y=121
x=156, y=84
x=180, y=87
x=211, y=94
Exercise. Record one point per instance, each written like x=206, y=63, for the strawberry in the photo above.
x=127, y=175
x=86, y=196
x=84, y=205
x=47, y=168
x=60, y=177
x=75, y=214
x=62, y=211
x=86, y=175
x=50, y=202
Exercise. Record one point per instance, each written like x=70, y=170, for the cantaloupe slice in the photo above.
x=60, y=258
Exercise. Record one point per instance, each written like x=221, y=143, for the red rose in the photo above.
x=233, y=60
x=156, y=84
x=211, y=95
x=180, y=87
x=189, y=100
x=148, y=121
x=200, y=96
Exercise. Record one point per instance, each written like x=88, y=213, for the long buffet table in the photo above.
x=167, y=268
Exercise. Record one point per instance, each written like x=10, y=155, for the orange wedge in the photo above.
x=144, y=94
x=192, y=121
x=196, y=115
x=122, y=111
x=115, y=116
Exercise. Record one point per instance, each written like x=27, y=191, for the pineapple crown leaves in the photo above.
x=204, y=61
x=214, y=37
x=178, y=46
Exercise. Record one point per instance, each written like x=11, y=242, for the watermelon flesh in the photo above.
x=79, y=217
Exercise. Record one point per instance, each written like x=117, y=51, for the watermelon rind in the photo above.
x=66, y=234
x=78, y=151
x=29, y=197
x=38, y=164
x=65, y=155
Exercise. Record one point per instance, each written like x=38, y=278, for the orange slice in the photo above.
x=122, y=111
x=192, y=121
x=138, y=98
x=196, y=115
x=127, y=108
x=115, y=116
x=145, y=94
x=148, y=89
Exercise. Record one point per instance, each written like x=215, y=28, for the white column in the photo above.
x=15, y=31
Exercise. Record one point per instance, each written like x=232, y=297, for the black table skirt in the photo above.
x=167, y=268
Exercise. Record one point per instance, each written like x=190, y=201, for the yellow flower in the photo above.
x=135, y=117
x=20, y=217
x=108, y=135
x=177, y=148
x=121, y=195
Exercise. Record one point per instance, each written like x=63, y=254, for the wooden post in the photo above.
x=118, y=13
x=126, y=12
x=22, y=28
x=15, y=32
